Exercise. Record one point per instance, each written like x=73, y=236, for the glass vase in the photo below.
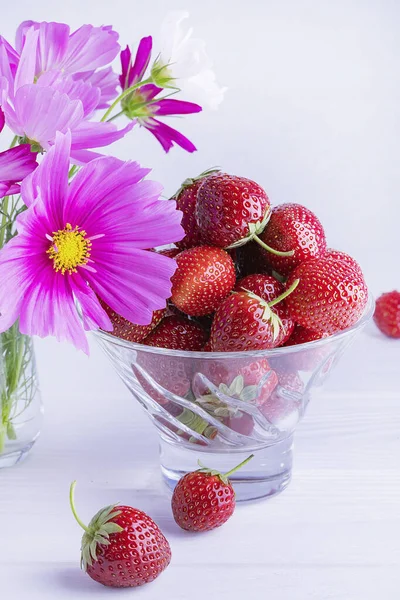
x=20, y=403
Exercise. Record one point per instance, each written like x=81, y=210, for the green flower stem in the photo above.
x=272, y=250
x=239, y=466
x=121, y=112
x=72, y=505
x=122, y=96
x=14, y=141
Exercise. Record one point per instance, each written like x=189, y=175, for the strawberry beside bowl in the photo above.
x=210, y=405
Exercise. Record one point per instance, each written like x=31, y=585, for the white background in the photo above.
x=313, y=114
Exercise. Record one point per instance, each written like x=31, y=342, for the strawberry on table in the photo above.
x=204, y=278
x=387, y=314
x=292, y=228
x=204, y=499
x=130, y=331
x=244, y=321
x=230, y=210
x=330, y=296
x=186, y=198
x=177, y=333
x=122, y=546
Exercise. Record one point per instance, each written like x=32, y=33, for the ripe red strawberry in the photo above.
x=230, y=210
x=330, y=296
x=186, y=198
x=268, y=288
x=244, y=321
x=129, y=331
x=346, y=258
x=204, y=499
x=161, y=374
x=387, y=314
x=204, y=278
x=301, y=335
x=122, y=546
x=294, y=228
x=177, y=333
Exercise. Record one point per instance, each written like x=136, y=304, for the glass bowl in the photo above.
x=220, y=407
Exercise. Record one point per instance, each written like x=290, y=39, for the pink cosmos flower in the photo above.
x=57, y=102
x=143, y=104
x=15, y=164
x=79, y=54
x=85, y=241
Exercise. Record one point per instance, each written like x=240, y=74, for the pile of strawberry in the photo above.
x=249, y=276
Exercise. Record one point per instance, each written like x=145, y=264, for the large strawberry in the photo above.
x=292, y=228
x=346, y=258
x=244, y=321
x=230, y=210
x=387, y=314
x=204, y=499
x=186, y=198
x=122, y=546
x=130, y=331
x=330, y=296
x=204, y=277
x=177, y=333
x=269, y=289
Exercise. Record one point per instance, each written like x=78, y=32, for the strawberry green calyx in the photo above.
x=191, y=180
x=255, y=229
x=224, y=477
x=269, y=315
x=97, y=532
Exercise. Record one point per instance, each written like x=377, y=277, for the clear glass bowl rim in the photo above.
x=282, y=351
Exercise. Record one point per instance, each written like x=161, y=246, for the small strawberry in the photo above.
x=131, y=332
x=295, y=229
x=346, y=258
x=230, y=210
x=204, y=499
x=122, y=546
x=387, y=314
x=186, y=198
x=177, y=333
x=204, y=278
x=330, y=296
x=244, y=321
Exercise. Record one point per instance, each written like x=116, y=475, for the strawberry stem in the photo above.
x=72, y=505
x=285, y=294
x=272, y=250
x=239, y=466
x=190, y=180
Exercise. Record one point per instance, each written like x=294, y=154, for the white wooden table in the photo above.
x=333, y=534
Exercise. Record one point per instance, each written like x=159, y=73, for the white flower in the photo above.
x=187, y=62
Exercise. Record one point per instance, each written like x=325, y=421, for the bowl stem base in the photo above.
x=267, y=474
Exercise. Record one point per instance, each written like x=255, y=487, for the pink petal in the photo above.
x=17, y=163
x=95, y=135
x=89, y=48
x=175, y=107
x=2, y=120
x=42, y=111
x=75, y=90
x=51, y=178
x=105, y=79
x=82, y=157
x=5, y=71
x=125, y=286
x=131, y=74
x=52, y=43
x=8, y=188
x=27, y=64
x=94, y=315
x=167, y=136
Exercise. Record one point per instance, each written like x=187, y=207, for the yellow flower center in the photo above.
x=69, y=249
